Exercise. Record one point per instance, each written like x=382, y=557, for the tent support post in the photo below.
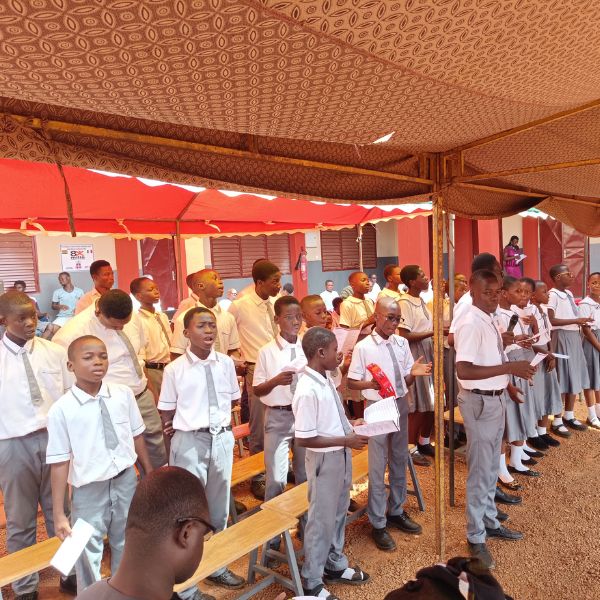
x=178, y=258
x=438, y=363
x=451, y=387
x=360, y=247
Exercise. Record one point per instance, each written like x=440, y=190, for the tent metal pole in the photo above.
x=438, y=364
x=360, y=247
x=450, y=392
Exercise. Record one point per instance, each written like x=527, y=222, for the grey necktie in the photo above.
x=214, y=422
x=34, y=387
x=162, y=326
x=295, y=375
x=132, y=354
x=397, y=374
x=110, y=435
x=338, y=404
x=573, y=305
x=271, y=317
x=500, y=344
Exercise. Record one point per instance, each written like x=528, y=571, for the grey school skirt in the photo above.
x=521, y=418
x=572, y=372
x=592, y=359
x=420, y=396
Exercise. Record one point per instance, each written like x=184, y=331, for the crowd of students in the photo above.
x=119, y=388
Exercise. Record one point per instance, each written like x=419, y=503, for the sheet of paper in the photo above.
x=381, y=411
x=521, y=258
x=346, y=339
x=379, y=428
x=522, y=312
x=295, y=366
x=537, y=359
x=565, y=356
x=71, y=549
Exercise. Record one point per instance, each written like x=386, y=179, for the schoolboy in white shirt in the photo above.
x=357, y=310
x=482, y=370
x=195, y=406
x=103, y=277
x=392, y=355
x=33, y=375
x=94, y=439
x=324, y=430
x=112, y=320
x=276, y=388
x=157, y=330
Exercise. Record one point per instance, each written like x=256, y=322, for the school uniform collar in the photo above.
x=507, y=311
x=380, y=340
x=257, y=299
x=283, y=343
x=199, y=304
x=83, y=397
x=316, y=376
x=590, y=301
x=356, y=300
x=418, y=302
x=480, y=314
x=15, y=348
x=560, y=293
x=193, y=359
x=147, y=314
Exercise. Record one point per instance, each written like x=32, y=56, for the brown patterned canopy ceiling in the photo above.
x=312, y=80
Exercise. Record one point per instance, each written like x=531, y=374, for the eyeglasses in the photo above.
x=208, y=534
x=394, y=318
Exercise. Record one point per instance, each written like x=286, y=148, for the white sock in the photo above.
x=516, y=452
x=503, y=473
x=423, y=441
x=592, y=413
x=569, y=415
x=526, y=447
x=557, y=421
x=597, y=407
x=541, y=430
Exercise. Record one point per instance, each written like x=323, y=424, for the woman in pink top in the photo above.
x=511, y=253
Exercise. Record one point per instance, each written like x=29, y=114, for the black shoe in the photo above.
x=68, y=585
x=353, y=506
x=503, y=498
x=419, y=459
x=426, y=450
x=534, y=453
x=558, y=432
x=550, y=440
x=257, y=487
x=539, y=443
x=529, y=462
x=240, y=508
x=526, y=473
x=228, y=580
x=29, y=596
x=404, y=523
x=501, y=516
x=573, y=425
x=504, y=533
x=383, y=540
x=595, y=424
x=481, y=554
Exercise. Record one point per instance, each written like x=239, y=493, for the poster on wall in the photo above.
x=76, y=258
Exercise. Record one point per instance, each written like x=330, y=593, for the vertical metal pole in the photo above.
x=180, y=273
x=360, y=247
x=438, y=364
x=450, y=392
x=586, y=265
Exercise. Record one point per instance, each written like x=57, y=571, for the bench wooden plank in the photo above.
x=237, y=541
x=457, y=416
x=25, y=562
x=247, y=468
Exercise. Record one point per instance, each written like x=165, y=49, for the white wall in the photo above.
x=387, y=238
x=195, y=255
x=48, y=250
x=512, y=226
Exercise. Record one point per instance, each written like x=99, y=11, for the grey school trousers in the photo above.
x=155, y=376
x=484, y=418
x=153, y=435
x=256, y=440
x=210, y=458
x=104, y=505
x=329, y=476
x=25, y=482
x=390, y=450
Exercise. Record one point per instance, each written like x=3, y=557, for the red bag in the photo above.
x=386, y=389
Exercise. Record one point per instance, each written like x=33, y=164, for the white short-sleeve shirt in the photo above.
x=69, y=299
x=18, y=415
x=315, y=410
x=227, y=330
x=375, y=349
x=184, y=390
x=87, y=300
x=121, y=368
x=478, y=341
x=588, y=307
x=460, y=308
x=503, y=316
x=328, y=298
x=354, y=312
x=388, y=293
x=543, y=322
x=561, y=305
x=76, y=433
x=158, y=339
x=271, y=359
x=415, y=316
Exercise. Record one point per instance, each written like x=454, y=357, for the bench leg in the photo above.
x=232, y=509
x=252, y=565
x=240, y=442
x=292, y=563
x=416, y=486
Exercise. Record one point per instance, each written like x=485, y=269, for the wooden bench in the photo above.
x=246, y=537
x=242, y=471
x=28, y=561
x=457, y=416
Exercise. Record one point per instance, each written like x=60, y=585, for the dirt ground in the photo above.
x=558, y=559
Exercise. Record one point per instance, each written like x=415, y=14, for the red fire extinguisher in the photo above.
x=301, y=265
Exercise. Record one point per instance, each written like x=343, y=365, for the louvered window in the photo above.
x=18, y=260
x=339, y=249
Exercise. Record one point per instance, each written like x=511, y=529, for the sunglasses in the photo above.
x=209, y=527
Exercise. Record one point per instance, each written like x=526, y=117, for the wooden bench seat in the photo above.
x=25, y=562
x=247, y=468
x=457, y=416
x=246, y=537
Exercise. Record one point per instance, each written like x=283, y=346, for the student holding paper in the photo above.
x=391, y=353
x=590, y=307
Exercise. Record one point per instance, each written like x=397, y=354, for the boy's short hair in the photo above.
x=78, y=341
x=162, y=499
x=592, y=274
x=484, y=261
x=556, y=269
x=136, y=284
x=97, y=265
x=409, y=273
x=263, y=269
x=387, y=272
x=11, y=300
x=307, y=300
x=115, y=304
x=328, y=281
x=353, y=276
x=529, y=281
x=20, y=282
x=336, y=301
x=288, y=287
x=509, y=282
x=284, y=301
x=196, y=310
x=64, y=273
x=315, y=338
x=539, y=283
x=482, y=275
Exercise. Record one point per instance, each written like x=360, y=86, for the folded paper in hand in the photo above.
x=295, y=366
x=346, y=339
x=521, y=258
x=381, y=417
x=70, y=550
